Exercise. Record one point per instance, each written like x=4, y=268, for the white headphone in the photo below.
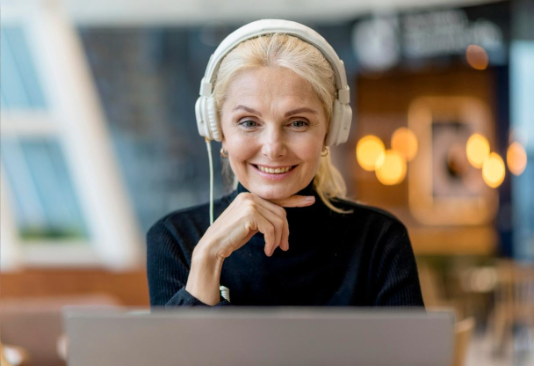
x=206, y=113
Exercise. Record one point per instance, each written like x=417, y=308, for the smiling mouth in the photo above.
x=274, y=171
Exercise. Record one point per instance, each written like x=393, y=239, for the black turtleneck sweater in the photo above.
x=359, y=259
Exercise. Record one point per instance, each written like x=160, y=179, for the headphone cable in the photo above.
x=223, y=290
x=208, y=144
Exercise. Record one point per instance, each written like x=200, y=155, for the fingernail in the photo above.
x=310, y=198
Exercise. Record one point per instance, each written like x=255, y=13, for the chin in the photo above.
x=272, y=193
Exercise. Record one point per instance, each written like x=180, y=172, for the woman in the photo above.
x=286, y=235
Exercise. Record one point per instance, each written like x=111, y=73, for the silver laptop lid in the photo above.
x=259, y=336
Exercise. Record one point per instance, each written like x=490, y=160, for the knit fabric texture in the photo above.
x=359, y=259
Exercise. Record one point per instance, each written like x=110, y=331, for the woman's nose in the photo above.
x=273, y=145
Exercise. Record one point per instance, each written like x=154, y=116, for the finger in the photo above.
x=280, y=212
x=295, y=201
x=279, y=224
x=267, y=229
x=274, y=207
x=285, y=237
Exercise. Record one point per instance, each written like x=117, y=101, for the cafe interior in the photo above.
x=99, y=140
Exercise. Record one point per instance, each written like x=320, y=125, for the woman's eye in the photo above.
x=299, y=123
x=248, y=124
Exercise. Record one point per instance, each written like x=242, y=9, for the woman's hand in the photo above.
x=247, y=215
x=243, y=218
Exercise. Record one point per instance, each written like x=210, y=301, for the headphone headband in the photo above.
x=208, y=125
x=269, y=26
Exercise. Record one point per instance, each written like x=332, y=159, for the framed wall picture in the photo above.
x=444, y=188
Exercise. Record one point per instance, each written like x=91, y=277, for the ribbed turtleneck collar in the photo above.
x=307, y=225
x=306, y=214
x=309, y=190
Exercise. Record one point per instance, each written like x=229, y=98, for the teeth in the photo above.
x=273, y=171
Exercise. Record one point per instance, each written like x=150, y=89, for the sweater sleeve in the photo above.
x=394, y=269
x=168, y=270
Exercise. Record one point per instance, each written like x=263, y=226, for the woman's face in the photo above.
x=272, y=119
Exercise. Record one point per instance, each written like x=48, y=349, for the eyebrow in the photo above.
x=300, y=110
x=294, y=111
x=247, y=109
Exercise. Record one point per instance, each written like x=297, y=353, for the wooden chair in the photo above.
x=514, y=302
x=462, y=338
x=432, y=290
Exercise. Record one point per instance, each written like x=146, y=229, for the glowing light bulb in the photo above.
x=477, y=150
x=516, y=157
x=405, y=142
x=493, y=170
x=476, y=57
x=393, y=169
x=370, y=152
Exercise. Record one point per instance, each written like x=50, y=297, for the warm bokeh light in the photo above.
x=476, y=57
x=477, y=150
x=370, y=152
x=493, y=170
x=393, y=170
x=405, y=142
x=516, y=157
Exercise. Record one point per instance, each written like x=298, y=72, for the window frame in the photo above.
x=114, y=239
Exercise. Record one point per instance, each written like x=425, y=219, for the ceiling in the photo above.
x=180, y=12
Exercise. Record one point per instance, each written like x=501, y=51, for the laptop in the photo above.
x=259, y=336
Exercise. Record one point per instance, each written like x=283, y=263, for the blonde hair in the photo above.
x=282, y=50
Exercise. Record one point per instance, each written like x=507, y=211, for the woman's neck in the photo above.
x=309, y=190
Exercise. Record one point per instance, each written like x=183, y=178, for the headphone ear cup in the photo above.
x=339, y=130
x=212, y=120
x=335, y=122
x=200, y=117
x=346, y=123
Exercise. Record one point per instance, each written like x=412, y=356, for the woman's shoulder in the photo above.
x=376, y=227
x=363, y=213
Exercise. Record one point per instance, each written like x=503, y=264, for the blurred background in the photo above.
x=99, y=140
